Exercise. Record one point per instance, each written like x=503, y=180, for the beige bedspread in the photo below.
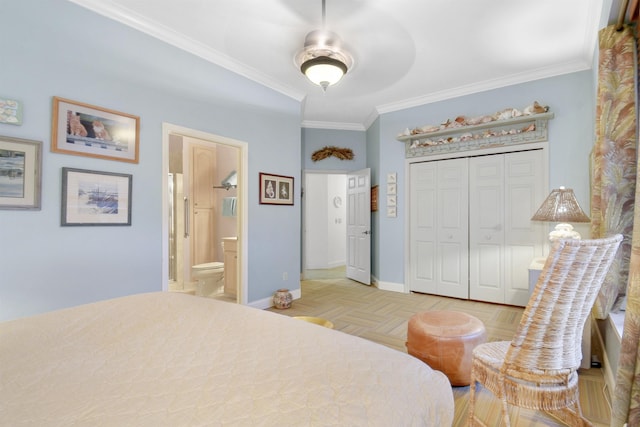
x=169, y=359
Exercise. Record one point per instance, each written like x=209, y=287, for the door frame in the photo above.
x=169, y=129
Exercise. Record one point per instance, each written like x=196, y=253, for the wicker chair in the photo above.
x=537, y=369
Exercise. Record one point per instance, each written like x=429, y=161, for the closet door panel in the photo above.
x=471, y=234
x=453, y=228
x=425, y=270
x=452, y=282
x=486, y=228
x=439, y=228
x=524, y=238
x=422, y=271
x=517, y=260
x=490, y=275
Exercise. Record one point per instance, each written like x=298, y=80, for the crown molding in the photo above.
x=371, y=118
x=309, y=124
x=138, y=22
x=486, y=85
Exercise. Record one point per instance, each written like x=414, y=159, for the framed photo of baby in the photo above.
x=86, y=130
x=276, y=189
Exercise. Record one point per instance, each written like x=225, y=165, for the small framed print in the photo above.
x=391, y=200
x=10, y=111
x=391, y=211
x=95, y=198
x=391, y=189
x=20, y=173
x=276, y=189
x=391, y=178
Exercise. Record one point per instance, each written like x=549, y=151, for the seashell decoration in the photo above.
x=461, y=121
x=535, y=108
x=468, y=136
x=282, y=299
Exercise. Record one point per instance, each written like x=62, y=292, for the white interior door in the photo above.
x=359, y=226
x=486, y=228
x=504, y=190
x=423, y=213
x=439, y=228
x=453, y=228
x=524, y=239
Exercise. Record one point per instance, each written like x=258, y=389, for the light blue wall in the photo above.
x=571, y=99
x=316, y=139
x=59, y=49
x=55, y=48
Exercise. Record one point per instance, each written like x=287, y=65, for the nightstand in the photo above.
x=534, y=272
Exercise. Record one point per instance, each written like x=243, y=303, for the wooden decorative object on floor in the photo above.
x=444, y=340
x=316, y=320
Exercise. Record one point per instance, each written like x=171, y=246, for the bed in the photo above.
x=171, y=359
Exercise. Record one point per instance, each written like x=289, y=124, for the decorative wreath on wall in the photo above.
x=341, y=153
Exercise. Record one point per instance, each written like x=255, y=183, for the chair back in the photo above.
x=549, y=336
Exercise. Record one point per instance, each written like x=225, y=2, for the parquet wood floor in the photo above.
x=382, y=316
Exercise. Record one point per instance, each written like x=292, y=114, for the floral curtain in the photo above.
x=626, y=399
x=613, y=159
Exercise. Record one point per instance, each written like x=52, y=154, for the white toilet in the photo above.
x=210, y=277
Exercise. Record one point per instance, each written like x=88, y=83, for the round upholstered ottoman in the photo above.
x=445, y=340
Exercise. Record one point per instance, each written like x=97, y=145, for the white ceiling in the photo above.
x=406, y=52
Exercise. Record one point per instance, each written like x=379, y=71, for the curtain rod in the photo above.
x=621, y=14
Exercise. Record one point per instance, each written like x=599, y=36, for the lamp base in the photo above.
x=564, y=231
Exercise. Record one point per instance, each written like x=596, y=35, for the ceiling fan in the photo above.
x=323, y=60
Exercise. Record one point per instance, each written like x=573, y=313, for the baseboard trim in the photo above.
x=388, y=286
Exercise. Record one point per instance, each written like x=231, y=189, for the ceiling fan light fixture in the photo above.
x=323, y=61
x=323, y=70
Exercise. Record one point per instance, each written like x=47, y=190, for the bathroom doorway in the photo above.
x=205, y=213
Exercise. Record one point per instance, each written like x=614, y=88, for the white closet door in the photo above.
x=504, y=191
x=423, y=202
x=486, y=228
x=524, y=239
x=453, y=228
x=439, y=228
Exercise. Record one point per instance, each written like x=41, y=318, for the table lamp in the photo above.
x=561, y=206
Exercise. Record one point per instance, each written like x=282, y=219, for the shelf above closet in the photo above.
x=497, y=133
